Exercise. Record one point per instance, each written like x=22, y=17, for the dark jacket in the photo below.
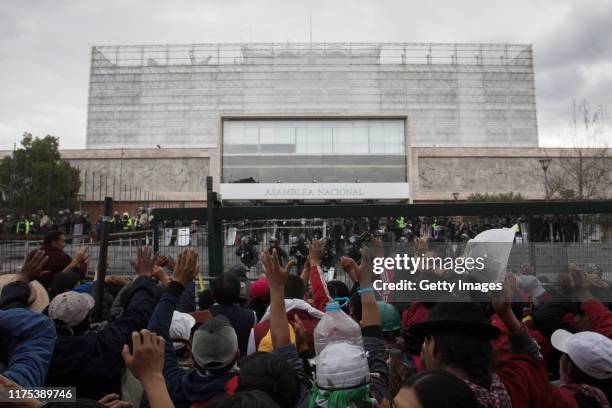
x=242, y=321
x=184, y=387
x=28, y=339
x=57, y=262
x=92, y=362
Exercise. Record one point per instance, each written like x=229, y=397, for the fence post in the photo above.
x=215, y=237
x=532, y=251
x=99, y=294
x=156, y=227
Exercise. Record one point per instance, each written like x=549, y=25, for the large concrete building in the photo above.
x=273, y=119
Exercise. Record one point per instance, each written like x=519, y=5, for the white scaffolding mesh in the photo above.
x=173, y=95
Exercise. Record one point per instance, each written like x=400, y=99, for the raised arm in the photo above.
x=320, y=295
x=277, y=277
x=184, y=273
x=146, y=363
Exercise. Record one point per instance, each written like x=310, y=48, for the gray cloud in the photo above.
x=45, y=46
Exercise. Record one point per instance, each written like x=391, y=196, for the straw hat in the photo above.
x=39, y=298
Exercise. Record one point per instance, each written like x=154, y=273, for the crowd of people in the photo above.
x=73, y=223
x=296, y=340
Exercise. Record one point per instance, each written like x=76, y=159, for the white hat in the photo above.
x=180, y=328
x=342, y=365
x=590, y=351
x=71, y=307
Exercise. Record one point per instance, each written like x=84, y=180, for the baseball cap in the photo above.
x=71, y=307
x=590, y=351
x=214, y=344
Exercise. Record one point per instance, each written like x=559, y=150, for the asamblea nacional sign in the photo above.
x=315, y=191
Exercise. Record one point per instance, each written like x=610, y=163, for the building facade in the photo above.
x=297, y=114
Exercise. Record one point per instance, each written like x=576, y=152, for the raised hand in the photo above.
x=144, y=264
x=186, y=266
x=276, y=274
x=33, y=267
x=160, y=274
x=147, y=356
x=316, y=252
x=579, y=282
x=351, y=267
x=81, y=255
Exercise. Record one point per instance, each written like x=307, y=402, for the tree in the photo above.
x=35, y=178
x=585, y=171
x=495, y=197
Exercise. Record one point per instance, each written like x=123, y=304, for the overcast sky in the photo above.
x=45, y=46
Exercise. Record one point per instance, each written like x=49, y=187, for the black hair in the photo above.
x=273, y=375
x=469, y=353
x=295, y=288
x=63, y=282
x=338, y=289
x=258, y=306
x=52, y=236
x=225, y=289
x=249, y=399
x=441, y=389
x=205, y=299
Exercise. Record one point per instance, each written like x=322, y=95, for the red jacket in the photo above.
x=526, y=380
x=57, y=262
x=599, y=316
x=320, y=295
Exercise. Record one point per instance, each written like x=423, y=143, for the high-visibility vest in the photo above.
x=400, y=222
x=26, y=224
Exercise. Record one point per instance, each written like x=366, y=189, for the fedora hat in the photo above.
x=463, y=317
x=39, y=298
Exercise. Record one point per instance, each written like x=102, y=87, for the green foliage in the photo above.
x=35, y=178
x=495, y=198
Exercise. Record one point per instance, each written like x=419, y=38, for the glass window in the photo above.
x=319, y=137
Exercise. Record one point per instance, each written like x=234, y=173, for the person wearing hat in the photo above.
x=214, y=345
x=586, y=365
x=91, y=361
x=23, y=290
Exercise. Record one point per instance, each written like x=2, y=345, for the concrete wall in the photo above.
x=174, y=174
x=434, y=173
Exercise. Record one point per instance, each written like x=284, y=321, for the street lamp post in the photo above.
x=545, y=163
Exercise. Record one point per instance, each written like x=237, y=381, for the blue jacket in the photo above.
x=185, y=387
x=92, y=362
x=29, y=339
